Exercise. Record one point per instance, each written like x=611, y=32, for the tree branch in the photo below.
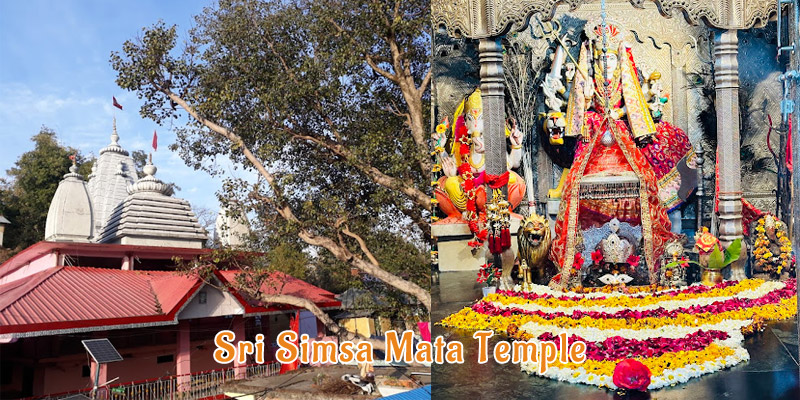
x=426, y=80
x=321, y=315
x=419, y=197
x=282, y=207
x=343, y=254
x=382, y=72
x=361, y=243
x=404, y=79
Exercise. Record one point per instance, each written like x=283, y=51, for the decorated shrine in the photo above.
x=619, y=171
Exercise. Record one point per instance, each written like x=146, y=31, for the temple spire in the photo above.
x=114, y=145
x=150, y=215
x=149, y=183
x=114, y=135
x=70, y=216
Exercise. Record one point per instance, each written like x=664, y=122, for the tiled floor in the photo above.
x=771, y=373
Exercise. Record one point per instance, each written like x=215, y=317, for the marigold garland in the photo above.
x=764, y=258
x=679, y=334
x=623, y=301
x=668, y=369
x=658, y=364
x=471, y=320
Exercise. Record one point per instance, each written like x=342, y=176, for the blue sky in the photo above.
x=54, y=71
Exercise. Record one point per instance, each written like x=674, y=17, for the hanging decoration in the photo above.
x=772, y=247
x=498, y=215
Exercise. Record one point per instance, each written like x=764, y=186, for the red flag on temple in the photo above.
x=155, y=140
x=114, y=102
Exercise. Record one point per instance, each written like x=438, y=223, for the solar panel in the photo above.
x=101, y=350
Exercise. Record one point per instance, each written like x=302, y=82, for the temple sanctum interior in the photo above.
x=621, y=171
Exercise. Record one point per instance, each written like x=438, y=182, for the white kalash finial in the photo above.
x=150, y=169
x=114, y=145
x=149, y=183
x=73, y=169
x=114, y=135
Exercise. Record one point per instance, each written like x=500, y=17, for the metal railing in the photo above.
x=199, y=385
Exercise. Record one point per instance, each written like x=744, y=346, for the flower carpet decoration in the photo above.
x=674, y=334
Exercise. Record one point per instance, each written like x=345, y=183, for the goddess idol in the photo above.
x=612, y=175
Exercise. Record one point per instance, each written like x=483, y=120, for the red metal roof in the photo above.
x=63, y=299
x=280, y=283
x=81, y=297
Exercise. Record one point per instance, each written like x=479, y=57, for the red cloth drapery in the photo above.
x=294, y=324
x=497, y=181
x=594, y=157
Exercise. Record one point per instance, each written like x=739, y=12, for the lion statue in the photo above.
x=533, y=246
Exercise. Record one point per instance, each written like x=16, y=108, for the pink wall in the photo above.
x=57, y=374
x=42, y=263
x=64, y=374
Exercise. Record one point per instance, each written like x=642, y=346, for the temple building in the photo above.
x=3, y=222
x=231, y=229
x=107, y=268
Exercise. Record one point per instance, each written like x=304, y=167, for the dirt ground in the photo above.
x=304, y=383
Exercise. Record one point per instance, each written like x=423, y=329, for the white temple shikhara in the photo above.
x=115, y=206
x=113, y=171
x=231, y=229
x=70, y=217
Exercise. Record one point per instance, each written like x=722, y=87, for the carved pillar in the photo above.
x=490, y=52
x=794, y=64
x=726, y=77
x=681, y=119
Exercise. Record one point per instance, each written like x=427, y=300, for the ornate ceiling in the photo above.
x=486, y=18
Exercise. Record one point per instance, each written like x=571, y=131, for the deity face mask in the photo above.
x=613, y=38
x=611, y=63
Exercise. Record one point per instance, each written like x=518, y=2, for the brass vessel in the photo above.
x=711, y=277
